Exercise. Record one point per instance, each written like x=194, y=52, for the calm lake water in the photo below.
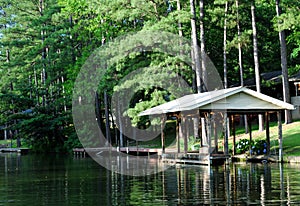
x=57, y=180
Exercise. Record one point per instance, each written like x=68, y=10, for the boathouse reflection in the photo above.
x=59, y=180
x=227, y=184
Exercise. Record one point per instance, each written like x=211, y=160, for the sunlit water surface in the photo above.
x=58, y=180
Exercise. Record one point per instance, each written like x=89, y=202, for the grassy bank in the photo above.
x=290, y=133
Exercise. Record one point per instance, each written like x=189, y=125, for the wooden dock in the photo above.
x=170, y=156
x=82, y=152
x=15, y=150
x=194, y=158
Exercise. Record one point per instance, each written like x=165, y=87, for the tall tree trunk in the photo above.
x=71, y=39
x=225, y=46
x=244, y=117
x=5, y=132
x=202, y=48
x=98, y=110
x=64, y=93
x=121, y=137
x=256, y=61
x=180, y=33
x=36, y=85
x=30, y=86
x=226, y=122
x=239, y=43
x=285, y=80
x=11, y=87
x=195, y=47
x=107, y=123
x=43, y=73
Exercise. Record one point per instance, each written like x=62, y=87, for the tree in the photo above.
x=49, y=41
x=204, y=75
x=196, y=52
x=239, y=43
x=283, y=54
x=225, y=46
x=37, y=41
x=256, y=61
x=289, y=21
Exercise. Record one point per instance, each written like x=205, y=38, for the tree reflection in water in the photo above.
x=56, y=180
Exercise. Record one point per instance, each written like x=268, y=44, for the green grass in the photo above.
x=291, y=138
x=156, y=142
x=170, y=138
x=240, y=130
x=290, y=134
x=8, y=143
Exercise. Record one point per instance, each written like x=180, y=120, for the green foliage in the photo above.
x=243, y=146
x=44, y=132
x=193, y=144
x=43, y=49
x=257, y=147
x=157, y=98
x=290, y=21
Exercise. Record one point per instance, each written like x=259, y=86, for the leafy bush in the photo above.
x=243, y=146
x=258, y=147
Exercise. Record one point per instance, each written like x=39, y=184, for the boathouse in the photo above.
x=215, y=109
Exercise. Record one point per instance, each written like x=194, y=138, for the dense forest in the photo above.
x=45, y=43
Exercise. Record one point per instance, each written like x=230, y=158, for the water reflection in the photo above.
x=130, y=164
x=54, y=180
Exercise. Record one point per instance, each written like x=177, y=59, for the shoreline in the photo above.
x=265, y=158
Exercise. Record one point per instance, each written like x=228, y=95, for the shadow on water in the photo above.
x=56, y=180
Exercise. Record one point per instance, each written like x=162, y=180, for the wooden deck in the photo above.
x=194, y=158
x=170, y=156
x=130, y=150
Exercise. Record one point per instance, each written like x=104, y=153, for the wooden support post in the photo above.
x=200, y=130
x=280, y=136
x=267, y=117
x=250, y=133
x=233, y=133
x=209, y=133
x=187, y=128
x=162, y=134
x=246, y=124
x=195, y=120
x=226, y=133
x=5, y=133
x=137, y=145
x=215, y=133
x=208, y=136
x=183, y=126
x=203, y=132
x=178, y=119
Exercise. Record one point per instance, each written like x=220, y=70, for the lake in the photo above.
x=58, y=180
